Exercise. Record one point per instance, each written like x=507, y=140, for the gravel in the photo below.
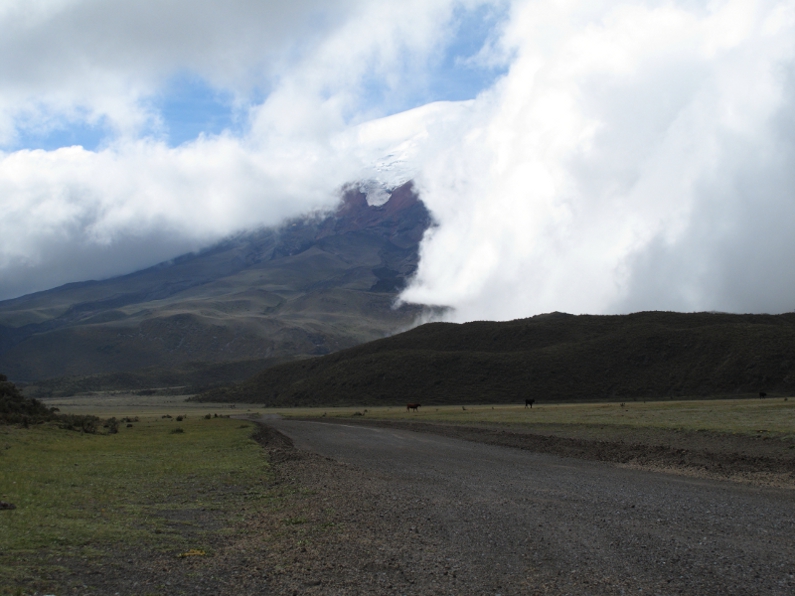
x=390, y=511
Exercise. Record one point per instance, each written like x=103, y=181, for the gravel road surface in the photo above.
x=427, y=514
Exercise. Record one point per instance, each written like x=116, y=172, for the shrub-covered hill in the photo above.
x=553, y=357
x=16, y=408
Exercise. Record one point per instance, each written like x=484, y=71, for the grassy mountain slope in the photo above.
x=314, y=286
x=547, y=357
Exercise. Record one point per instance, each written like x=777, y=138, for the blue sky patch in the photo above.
x=453, y=75
x=190, y=107
x=187, y=107
x=66, y=133
x=457, y=76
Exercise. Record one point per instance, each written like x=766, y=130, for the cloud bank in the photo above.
x=304, y=78
x=633, y=155
x=636, y=156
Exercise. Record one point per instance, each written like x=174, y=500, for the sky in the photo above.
x=586, y=157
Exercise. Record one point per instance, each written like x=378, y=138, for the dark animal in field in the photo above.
x=129, y=426
x=762, y=395
x=529, y=402
x=413, y=407
x=4, y=505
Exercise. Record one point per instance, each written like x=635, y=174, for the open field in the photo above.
x=90, y=503
x=773, y=417
x=121, y=403
x=96, y=512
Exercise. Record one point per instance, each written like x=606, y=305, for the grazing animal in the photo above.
x=762, y=394
x=413, y=407
x=529, y=402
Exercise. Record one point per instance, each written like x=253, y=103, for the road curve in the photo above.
x=594, y=528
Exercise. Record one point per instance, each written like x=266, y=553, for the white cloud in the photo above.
x=99, y=61
x=102, y=57
x=634, y=157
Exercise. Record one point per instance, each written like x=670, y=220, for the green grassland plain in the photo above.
x=773, y=416
x=83, y=497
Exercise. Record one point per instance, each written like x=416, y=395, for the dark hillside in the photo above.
x=315, y=285
x=549, y=357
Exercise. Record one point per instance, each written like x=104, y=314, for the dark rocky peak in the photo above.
x=402, y=220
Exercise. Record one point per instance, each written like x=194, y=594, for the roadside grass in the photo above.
x=83, y=495
x=123, y=403
x=772, y=416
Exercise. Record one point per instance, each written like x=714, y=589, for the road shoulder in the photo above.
x=716, y=456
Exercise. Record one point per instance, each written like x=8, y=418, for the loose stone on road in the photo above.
x=426, y=514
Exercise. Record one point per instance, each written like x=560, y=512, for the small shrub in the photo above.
x=208, y=416
x=86, y=424
x=176, y=431
x=112, y=425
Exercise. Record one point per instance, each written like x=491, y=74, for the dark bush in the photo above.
x=81, y=423
x=15, y=408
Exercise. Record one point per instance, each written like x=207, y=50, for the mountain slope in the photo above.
x=548, y=357
x=314, y=286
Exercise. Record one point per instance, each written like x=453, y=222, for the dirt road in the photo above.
x=419, y=513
